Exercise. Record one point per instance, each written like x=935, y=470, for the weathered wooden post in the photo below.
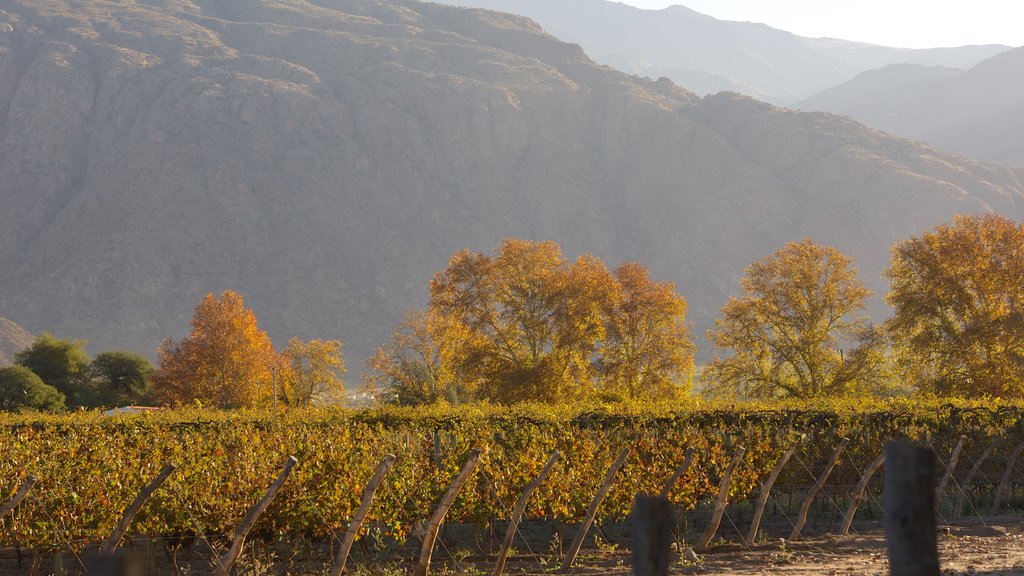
x=18, y=496
x=966, y=486
x=910, y=510
x=225, y=562
x=423, y=566
x=517, y=512
x=588, y=519
x=762, y=498
x=357, y=521
x=858, y=493
x=801, y=518
x=652, y=535
x=721, y=502
x=940, y=494
x=1005, y=481
x=126, y=519
x=687, y=459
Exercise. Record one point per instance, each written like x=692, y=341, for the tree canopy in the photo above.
x=120, y=378
x=958, y=295
x=61, y=364
x=312, y=372
x=226, y=361
x=798, y=330
x=22, y=389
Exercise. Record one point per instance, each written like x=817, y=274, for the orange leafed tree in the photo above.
x=312, y=372
x=647, y=350
x=226, y=361
x=958, y=294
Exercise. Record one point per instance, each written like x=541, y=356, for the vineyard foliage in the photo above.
x=90, y=466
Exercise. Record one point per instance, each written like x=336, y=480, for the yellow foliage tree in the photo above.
x=797, y=331
x=958, y=294
x=521, y=325
x=312, y=372
x=226, y=361
x=647, y=351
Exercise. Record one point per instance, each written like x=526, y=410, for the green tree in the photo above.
x=120, y=378
x=958, y=294
x=798, y=330
x=21, y=389
x=62, y=364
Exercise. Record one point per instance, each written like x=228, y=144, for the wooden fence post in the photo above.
x=762, y=498
x=858, y=493
x=577, y=542
x=678, y=473
x=652, y=535
x=18, y=496
x=423, y=566
x=122, y=526
x=801, y=518
x=357, y=521
x=517, y=512
x=721, y=502
x=1007, y=475
x=910, y=510
x=966, y=486
x=940, y=494
x=225, y=562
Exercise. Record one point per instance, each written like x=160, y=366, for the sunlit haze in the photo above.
x=903, y=23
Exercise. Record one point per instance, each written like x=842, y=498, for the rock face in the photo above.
x=707, y=55
x=13, y=339
x=325, y=158
x=978, y=112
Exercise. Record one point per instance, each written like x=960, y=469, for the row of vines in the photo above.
x=91, y=466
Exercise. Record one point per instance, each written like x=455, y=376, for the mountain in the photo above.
x=324, y=159
x=13, y=339
x=707, y=55
x=978, y=112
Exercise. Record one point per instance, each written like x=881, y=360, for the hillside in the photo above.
x=707, y=55
x=325, y=159
x=13, y=339
x=978, y=112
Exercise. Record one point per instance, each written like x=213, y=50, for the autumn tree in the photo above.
x=226, y=361
x=407, y=369
x=958, y=294
x=798, y=330
x=59, y=363
x=647, y=350
x=523, y=324
x=312, y=372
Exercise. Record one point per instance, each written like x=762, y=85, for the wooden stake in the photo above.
x=858, y=493
x=722, y=502
x=225, y=562
x=581, y=534
x=652, y=535
x=940, y=495
x=966, y=486
x=357, y=521
x=762, y=498
x=910, y=510
x=517, y=512
x=18, y=496
x=423, y=567
x=111, y=544
x=678, y=473
x=801, y=519
x=1001, y=490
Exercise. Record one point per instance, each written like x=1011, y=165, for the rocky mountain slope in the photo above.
x=13, y=339
x=324, y=158
x=978, y=112
x=707, y=55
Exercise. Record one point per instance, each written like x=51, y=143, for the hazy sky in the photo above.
x=906, y=23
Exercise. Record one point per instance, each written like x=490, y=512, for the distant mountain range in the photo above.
x=325, y=159
x=706, y=55
x=13, y=339
x=978, y=112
